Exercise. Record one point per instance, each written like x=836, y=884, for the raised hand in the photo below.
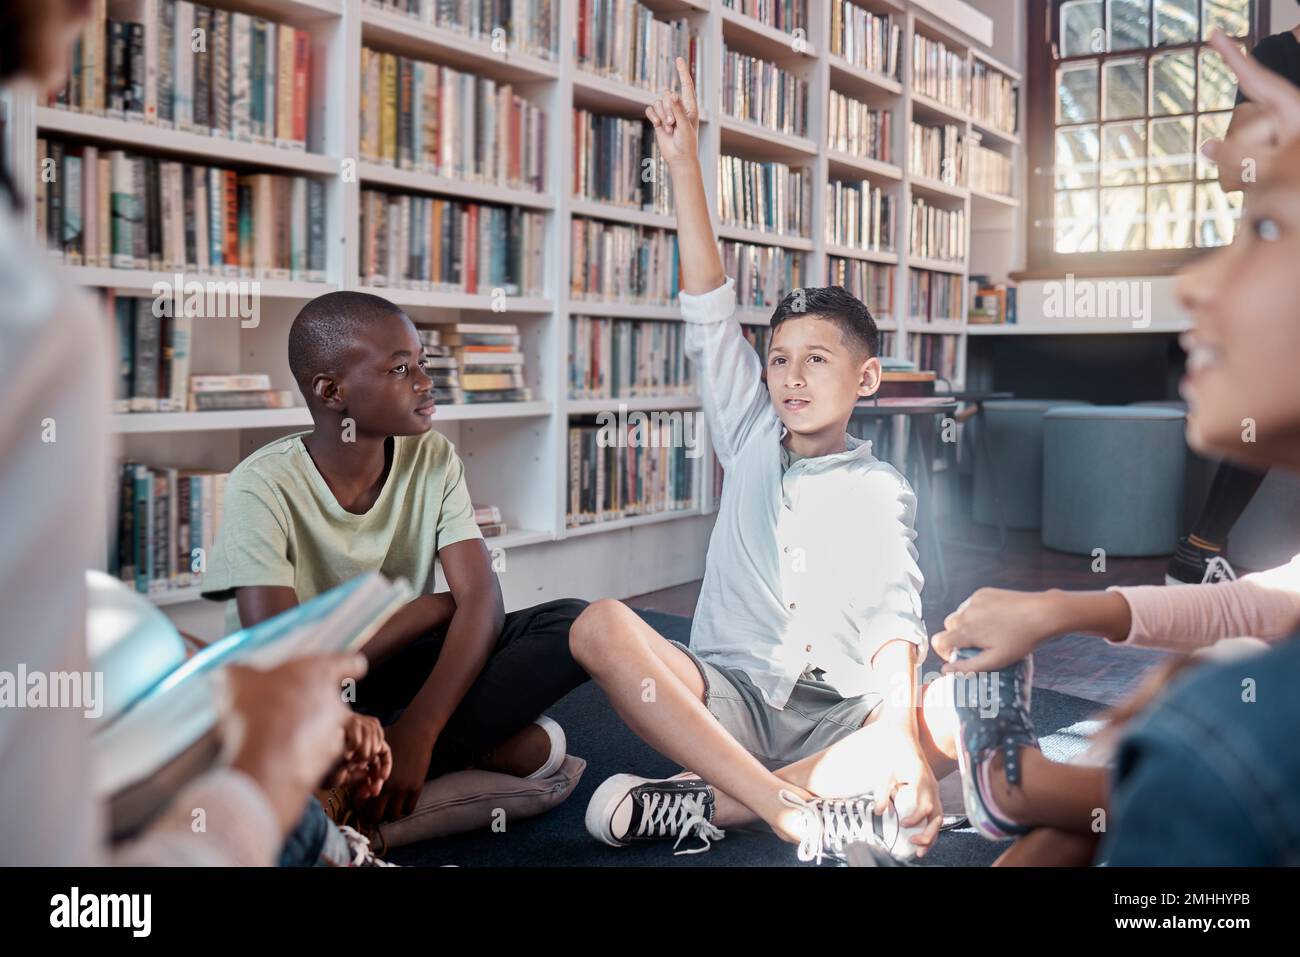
x=676, y=120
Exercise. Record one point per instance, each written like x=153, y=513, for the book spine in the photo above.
x=242, y=72
x=284, y=83
x=202, y=69
x=183, y=79
x=165, y=50
x=220, y=55
x=147, y=353
x=316, y=264
x=301, y=85
x=134, y=99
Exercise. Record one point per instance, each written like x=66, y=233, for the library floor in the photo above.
x=1072, y=664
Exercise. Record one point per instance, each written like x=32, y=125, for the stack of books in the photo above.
x=616, y=161
x=933, y=295
x=431, y=118
x=121, y=210
x=622, y=40
x=859, y=215
x=488, y=519
x=441, y=366
x=615, y=262
x=195, y=68
x=489, y=361
x=867, y=40
x=991, y=303
x=449, y=245
x=154, y=350
x=785, y=15
x=166, y=521
x=770, y=197
x=990, y=171
x=994, y=98
x=643, y=469
x=760, y=92
x=938, y=72
x=934, y=353
x=526, y=26
x=872, y=283
x=938, y=152
x=859, y=129
x=937, y=233
x=764, y=274
x=627, y=358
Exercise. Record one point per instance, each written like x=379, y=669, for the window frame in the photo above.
x=1040, y=134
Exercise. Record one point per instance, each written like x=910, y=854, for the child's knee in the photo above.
x=597, y=632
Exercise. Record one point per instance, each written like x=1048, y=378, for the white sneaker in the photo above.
x=627, y=809
x=831, y=826
x=363, y=855
x=559, y=748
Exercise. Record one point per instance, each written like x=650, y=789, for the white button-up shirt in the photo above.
x=810, y=567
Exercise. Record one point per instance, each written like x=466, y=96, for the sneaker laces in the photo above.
x=830, y=823
x=663, y=815
x=1218, y=570
x=363, y=855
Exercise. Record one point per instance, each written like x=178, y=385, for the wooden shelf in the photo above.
x=621, y=214
x=465, y=301
x=871, y=255
x=763, y=238
x=634, y=521
x=377, y=174
x=144, y=281
x=663, y=403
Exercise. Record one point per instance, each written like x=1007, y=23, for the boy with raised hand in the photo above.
x=372, y=487
x=808, y=631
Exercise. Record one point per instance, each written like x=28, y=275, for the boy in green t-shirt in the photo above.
x=458, y=682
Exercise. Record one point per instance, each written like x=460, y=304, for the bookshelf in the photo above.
x=516, y=454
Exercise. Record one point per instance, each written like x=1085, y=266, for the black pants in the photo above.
x=529, y=670
x=1231, y=491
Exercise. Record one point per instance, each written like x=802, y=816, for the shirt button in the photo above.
x=807, y=648
x=792, y=606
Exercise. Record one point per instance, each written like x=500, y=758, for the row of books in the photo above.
x=938, y=152
x=763, y=274
x=475, y=362
x=784, y=15
x=990, y=171
x=771, y=197
x=991, y=303
x=155, y=349
x=122, y=210
x=934, y=353
x=859, y=215
x=760, y=337
x=166, y=521
x=527, y=26
x=449, y=245
x=994, y=98
x=859, y=129
x=938, y=72
x=627, y=358
x=616, y=160
x=619, y=262
x=623, y=40
x=937, y=233
x=760, y=92
x=888, y=342
x=933, y=295
x=872, y=283
x=196, y=68
x=868, y=40
x=618, y=472
x=427, y=117
x=488, y=520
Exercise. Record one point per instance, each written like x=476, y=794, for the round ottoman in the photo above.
x=1113, y=479
x=1014, y=430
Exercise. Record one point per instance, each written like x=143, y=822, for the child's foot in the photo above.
x=362, y=854
x=834, y=826
x=993, y=712
x=534, y=752
x=626, y=809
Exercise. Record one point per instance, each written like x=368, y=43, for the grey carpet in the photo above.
x=596, y=734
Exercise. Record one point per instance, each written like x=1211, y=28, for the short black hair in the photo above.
x=836, y=305
x=326, y=326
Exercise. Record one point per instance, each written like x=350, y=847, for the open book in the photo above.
x=169, y=733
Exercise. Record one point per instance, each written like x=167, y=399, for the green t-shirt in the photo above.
x=283, y=526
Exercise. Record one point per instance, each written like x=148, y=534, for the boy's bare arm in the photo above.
x=676, y=120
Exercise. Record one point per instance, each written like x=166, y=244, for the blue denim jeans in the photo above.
x=1210, y=774
x=314, y=841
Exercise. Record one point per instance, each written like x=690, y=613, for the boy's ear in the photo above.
x=871, y=373
x=327, y=391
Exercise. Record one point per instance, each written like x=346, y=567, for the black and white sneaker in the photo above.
x=627, y=809
x=984, y=733
x=1195, y=562
x=850, y=828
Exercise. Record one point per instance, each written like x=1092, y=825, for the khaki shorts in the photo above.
x=815, y=717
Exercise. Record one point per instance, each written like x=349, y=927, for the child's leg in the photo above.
x=658, y=692
x=1050, y=794
x=1048, y=847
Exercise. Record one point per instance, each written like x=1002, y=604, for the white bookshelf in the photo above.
x=516, y=455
